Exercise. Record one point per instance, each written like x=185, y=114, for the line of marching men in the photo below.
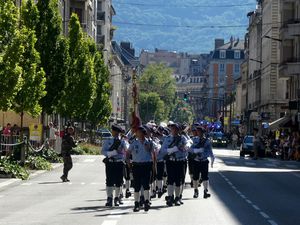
x=154, y=160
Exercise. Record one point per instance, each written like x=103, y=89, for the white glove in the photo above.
x=172, y=150
x=112, y=153
x=198, y=150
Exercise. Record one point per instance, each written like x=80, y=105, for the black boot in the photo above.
x=177, y=202
x=159, y=193
x=121, y=201
x=196, y=193
x=136, y=207
x=170, y=201
x=128, y=193
x=164, y=189
x=116, y=201
x=206, y=194
x=153, y=194
x=180, y=200
x=109, y=202
x=147, y=205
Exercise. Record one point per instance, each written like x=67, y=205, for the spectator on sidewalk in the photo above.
x=7, y=138
x=52, y=134
x=257, y=143
x=235, y=139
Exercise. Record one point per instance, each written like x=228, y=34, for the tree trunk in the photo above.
x=21, y=138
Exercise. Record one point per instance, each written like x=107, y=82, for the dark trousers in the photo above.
x=68, y=164
x=191, y=166
x=127, y=171
x=114, y=174
x=141, y=176
x=176, y=172
x=160, y=170
x=201, y=168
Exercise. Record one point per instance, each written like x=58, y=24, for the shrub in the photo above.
x=86, y=149
x=8, y=167
x=37, y=163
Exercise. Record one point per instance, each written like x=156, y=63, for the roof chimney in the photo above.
x=219, y=43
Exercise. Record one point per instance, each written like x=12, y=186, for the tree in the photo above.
x=81, y=80
x=151, y=107
x=10, y=50
x=54, y=53
x=182, y=113
x=157, y=78
x=101, y=108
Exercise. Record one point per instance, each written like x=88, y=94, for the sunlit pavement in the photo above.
x=243, y=191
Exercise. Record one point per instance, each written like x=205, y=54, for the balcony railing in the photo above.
x=289, y=67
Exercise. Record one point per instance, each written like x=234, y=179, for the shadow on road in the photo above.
x=50, y=182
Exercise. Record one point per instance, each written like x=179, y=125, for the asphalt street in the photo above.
x=243, y=191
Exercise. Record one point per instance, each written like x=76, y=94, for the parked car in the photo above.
x=218, y=139
x=247, y=146
x=103, y=134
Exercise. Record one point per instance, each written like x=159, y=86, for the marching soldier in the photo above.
x=201, y=150
x=175, y=149
x=114, y=150
x=141, y=150
x=66, y=147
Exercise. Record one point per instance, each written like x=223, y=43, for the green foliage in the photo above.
x=81, y=83
x=37, y=163
x=157, y=78
x=86, y=149
x=8, y=167
x=54, y=53
x=29, y=14
x=151, y=107
x=48, y=154
x=182, y=112
x=10, y=49
x=33, y=85
x=101, y=108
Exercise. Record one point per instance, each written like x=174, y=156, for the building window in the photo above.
x=222, y=54
x=237, y=54
x=237, y=68
x=222, y=67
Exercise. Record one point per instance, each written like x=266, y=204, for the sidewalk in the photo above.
x=6, y=182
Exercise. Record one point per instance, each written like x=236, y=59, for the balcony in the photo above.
x=290, y=29
x=290, y=68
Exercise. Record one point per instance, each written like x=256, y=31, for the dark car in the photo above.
x=247, y=146
x=218, y=139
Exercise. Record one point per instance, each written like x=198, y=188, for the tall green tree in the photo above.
x=151, y=107
x=182, y=113
x=101, y=109
x=157, y=78
x=54, y=53
x=10, y=51
x=81, y=80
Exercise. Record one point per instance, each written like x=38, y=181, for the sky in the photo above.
x=180, y=25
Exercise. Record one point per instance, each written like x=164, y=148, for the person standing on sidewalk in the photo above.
x=67, y=145
x=235, y=139
x=114, y=149
x=257, y=143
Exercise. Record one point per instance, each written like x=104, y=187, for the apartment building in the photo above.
x=224, y=69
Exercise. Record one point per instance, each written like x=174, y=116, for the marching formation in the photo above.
x=154, y=160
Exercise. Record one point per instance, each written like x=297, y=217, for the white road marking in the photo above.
x=114, y=216
x=70, y=183
x=89, y=160
x=255, y=207
x=109, y=222
x=272, y=222
x=243, y=196
x=250, y=164
x=8, y=182
x=229, y=183
x=264, y=215
x=82, y=183
x=26, y=184
x=95, y=183
x=238, y=192
x=247, y=200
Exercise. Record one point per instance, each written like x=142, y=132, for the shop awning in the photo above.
x=279, y=123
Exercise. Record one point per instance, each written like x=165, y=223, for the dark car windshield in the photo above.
x=248, y=139
x=105, y=134
x=217, y=135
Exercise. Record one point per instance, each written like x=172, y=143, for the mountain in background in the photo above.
x=180, y=25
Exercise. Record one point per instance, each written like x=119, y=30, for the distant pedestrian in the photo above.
x=67, y=145
x=234, y=139
x=257, y=143
x=52, y=134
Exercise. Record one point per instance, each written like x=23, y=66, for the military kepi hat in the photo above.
x=117, y=128
x=143, y=130
x=176, y=125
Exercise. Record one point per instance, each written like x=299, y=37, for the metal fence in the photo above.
x=9, y=143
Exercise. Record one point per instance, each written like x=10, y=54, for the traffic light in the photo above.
x=185, y=97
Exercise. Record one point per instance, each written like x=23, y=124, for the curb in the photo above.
x=32, y=175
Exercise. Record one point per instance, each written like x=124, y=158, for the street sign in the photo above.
x=226, y=121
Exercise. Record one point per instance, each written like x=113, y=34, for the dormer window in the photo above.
x=222, y=54
x=237, y=54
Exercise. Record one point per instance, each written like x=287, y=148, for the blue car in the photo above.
x=247, y=146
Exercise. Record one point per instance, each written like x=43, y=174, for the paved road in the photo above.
x=243, y=192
